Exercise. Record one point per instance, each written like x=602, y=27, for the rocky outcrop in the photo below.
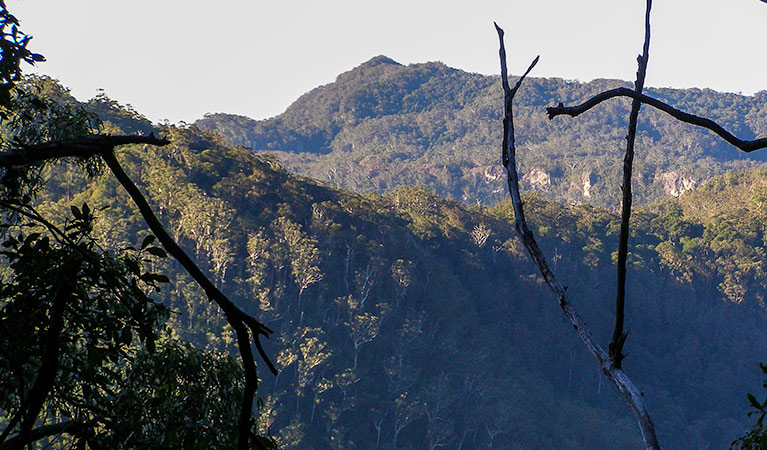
x=587, y=180
x=488, y=174
x=676, y=183
x=537, y=179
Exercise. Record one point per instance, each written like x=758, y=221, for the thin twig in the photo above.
x=625, y=387
x=574, y=111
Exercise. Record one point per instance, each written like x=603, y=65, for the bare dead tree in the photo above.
x=246, y=327
x=615, y=348
x=615, y=374
x=610, y=362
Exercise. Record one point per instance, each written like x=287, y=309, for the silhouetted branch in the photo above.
x=615, y=348
x=240, y=321
x=573, y=111
x=243, y=324
x=83, y=147
x=69, y=427
x=616, y=376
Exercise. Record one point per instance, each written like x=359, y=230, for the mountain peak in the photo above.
x=379, y=60
x=373, y=70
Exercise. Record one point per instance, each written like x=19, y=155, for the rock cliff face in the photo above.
x=587, y=180
x=676, y=183
x=488, y=174
x=538, y=179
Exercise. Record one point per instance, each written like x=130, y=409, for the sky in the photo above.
x=176, y=60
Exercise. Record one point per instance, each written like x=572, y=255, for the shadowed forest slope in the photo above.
x=407, y=320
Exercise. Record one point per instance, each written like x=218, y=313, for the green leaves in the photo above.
x=14, y=50
x=154, y=251
x=125, y=336
x=136, y=260
x=81, y=213
x=153, y=278
x=176, y=397
x=756, y=438
x=98, y=300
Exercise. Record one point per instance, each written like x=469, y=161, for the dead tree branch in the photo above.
x=615, y=348
x=616, y=376
x=84, y=147
x=574, y=111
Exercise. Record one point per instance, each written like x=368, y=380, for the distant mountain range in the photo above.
x=382, y=125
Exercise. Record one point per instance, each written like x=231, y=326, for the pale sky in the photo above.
x=179, y=59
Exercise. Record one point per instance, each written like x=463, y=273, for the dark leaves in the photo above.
x=147, y=241
x=105, y=308
x=156, y=251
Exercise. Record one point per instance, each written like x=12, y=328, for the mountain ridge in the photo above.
x=414, y=320
x=383, y=125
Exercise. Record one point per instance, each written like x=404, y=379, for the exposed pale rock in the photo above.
x=676, y=183
x=537, y=178
x=488, y=174
x=587, y=180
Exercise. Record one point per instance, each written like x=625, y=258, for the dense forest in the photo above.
x=365, y=232
x=407, y=320
x=384, y=125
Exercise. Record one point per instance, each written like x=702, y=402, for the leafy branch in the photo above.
x=246, y=326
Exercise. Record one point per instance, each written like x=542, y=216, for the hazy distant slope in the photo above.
x=377, y=88
x=382, y=125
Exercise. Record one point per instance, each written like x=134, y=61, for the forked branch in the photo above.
x=617, y=377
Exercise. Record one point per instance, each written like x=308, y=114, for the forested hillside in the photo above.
x=409, y=321
x=384, y=125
